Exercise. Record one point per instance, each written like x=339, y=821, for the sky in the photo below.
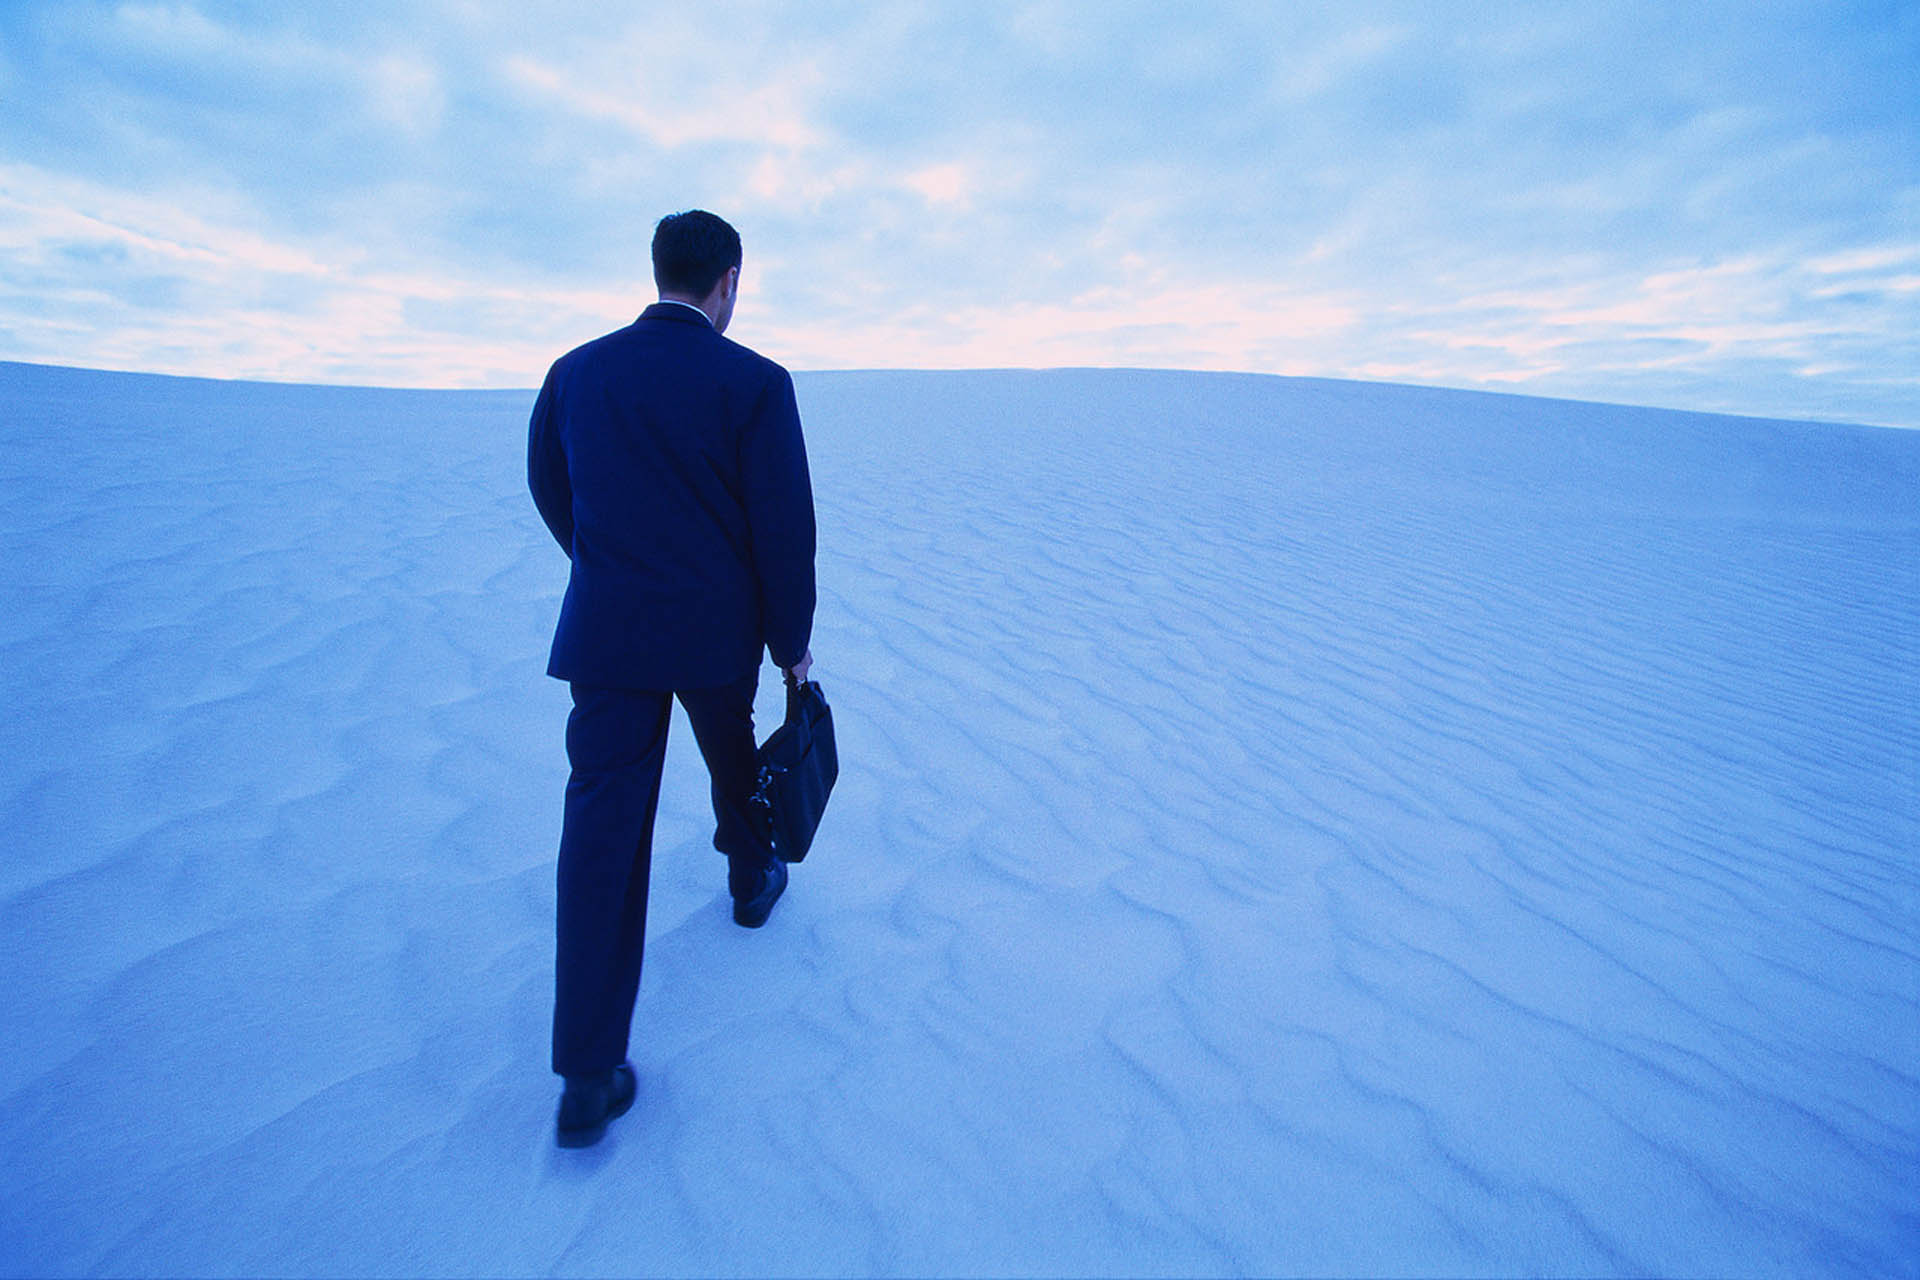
x=1710, y=206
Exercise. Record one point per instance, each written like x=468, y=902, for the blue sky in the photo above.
x=1706, y=205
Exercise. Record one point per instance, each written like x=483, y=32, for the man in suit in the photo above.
x=668, y=462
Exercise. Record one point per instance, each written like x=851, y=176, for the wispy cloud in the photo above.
x=772, y=115
x=1628, y=201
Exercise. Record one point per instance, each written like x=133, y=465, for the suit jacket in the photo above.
x=668, y=462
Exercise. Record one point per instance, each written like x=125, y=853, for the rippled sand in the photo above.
x=1285, y=827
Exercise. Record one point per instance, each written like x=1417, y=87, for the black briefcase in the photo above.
x=798, y=765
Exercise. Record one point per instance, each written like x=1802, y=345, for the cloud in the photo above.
x=1559, y=197
x=407, y=93
x=941, y=183
x=759, y=116
x=95, y=265
x=42, y=209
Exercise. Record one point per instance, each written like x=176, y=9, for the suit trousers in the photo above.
x=617, y=747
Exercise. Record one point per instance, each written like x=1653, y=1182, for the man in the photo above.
x=668, y=462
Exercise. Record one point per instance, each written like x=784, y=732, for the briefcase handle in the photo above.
x=796, y=691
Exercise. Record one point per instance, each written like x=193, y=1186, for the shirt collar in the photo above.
x=675, y=302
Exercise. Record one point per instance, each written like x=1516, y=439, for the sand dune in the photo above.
x=1286, y=827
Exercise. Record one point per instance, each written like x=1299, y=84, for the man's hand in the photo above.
x=799, y=669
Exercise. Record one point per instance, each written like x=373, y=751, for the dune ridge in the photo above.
x=1287, y=826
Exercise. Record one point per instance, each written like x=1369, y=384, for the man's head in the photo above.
x=696, y=258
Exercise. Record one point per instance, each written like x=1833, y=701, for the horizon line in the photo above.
x=533, y=389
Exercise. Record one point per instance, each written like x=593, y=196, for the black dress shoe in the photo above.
x=753, y=912
x=590, y=1102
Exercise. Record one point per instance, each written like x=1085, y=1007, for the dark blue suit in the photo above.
x=668, y=462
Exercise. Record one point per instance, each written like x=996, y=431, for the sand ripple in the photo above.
x=1286, y=827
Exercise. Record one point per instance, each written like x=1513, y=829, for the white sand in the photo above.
x=1286, y=826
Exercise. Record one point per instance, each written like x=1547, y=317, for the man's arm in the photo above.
x=547, y=469
x=780, y=515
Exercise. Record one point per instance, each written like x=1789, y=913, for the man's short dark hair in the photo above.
x=691, y=251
